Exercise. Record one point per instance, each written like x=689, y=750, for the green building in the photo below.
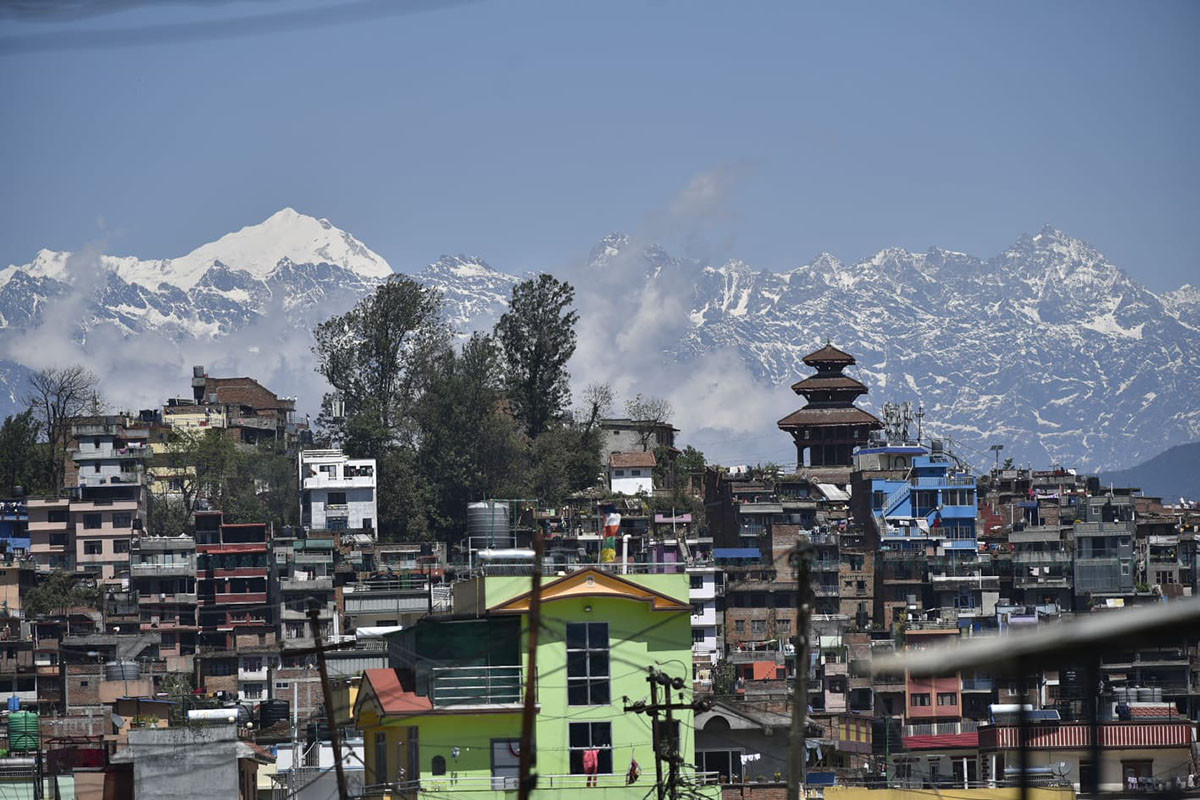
x=447, y=715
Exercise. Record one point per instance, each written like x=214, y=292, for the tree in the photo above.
x=470, y=448
x=56, y=396
x=20, y=455
x=58, y=592
x=537, y=336
x=373, y=357
x=650, y=414
x=724, y=678
x=597, y=403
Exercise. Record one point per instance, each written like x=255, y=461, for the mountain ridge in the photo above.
x=1047, y=346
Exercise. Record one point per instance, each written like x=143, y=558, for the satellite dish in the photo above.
x=1061, y=769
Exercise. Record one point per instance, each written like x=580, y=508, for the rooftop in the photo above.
x=635, y=459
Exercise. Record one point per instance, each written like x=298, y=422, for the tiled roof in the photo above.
x=829, y=416
x=392, y=695
x=829, y=355
x=635, y=459
x=816, y=383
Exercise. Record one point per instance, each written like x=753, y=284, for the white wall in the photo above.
x=623, y=481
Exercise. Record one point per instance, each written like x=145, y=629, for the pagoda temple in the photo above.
x=830, y=426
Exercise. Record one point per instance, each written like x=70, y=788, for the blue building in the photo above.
x=924, y=508
x=14, y=528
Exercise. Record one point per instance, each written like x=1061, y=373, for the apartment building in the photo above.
x=337, y=493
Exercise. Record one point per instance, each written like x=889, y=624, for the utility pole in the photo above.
x=526, y=781
x=314, y=619
x=798, y=746
x=654, y=732
x=672, y=747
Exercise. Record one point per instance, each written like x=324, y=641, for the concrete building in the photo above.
x=162, y=571
x=219, y=764
x=235, y=592
x=706, y=587
x=51, y=534
x=631, y=473
x=337, y=493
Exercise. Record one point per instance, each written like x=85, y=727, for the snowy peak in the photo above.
x=258, y=250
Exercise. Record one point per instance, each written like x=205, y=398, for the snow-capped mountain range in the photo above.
x=1047, y=348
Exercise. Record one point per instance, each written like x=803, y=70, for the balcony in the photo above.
x=1041, y=582
x=825, y=590
x=234, y=597
x=959, y=582
x=465, y=687
x=166, y=598
x=978, y=684
x=157, y=568
x=306, y=584
x=1041, y=557
x=825, y=565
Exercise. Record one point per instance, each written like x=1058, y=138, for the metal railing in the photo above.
x=468, y=686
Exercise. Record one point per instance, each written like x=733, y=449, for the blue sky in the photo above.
x=522, y=132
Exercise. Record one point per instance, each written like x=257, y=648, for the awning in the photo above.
x=736, y=552
x=832, y=492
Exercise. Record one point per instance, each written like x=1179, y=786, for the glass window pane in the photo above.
x=598, y=663
x=580, y=734
x=600, y=693
x=577, y=693
x=598, y=635
x=601, y=734
x=577, y=664
x=576, y=635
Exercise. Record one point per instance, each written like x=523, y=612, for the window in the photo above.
x=618, y=473
x=93, y=548
x=697, y=635
x=254, y=691
x=381, y=758
x=696, y=581
x=120, y=545
x=282, y=685
x=58, y=539
x=947, y=699
x=91, y=521
x=57, y=515
x=252, y=664
x=122, y=520
x=587, y=664
x=758, y=626
x=739, y=625
x=919, y=699
x=697, y=609
x=637, y=473
x=857, y=563
x=585, y=736
x=726, y=763
x=439, y=765
x=336, y=499
x=783, y=623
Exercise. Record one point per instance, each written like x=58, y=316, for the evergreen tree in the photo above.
x=537, y=335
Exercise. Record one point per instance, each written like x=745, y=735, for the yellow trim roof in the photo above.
x=592, y=582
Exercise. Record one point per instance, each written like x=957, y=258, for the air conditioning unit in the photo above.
x=154, y=622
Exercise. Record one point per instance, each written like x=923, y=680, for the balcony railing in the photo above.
x=475, y=686
x=1041, y=557
x=978, y=684
x=162, y=568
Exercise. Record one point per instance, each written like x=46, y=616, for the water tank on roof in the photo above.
x=487, y=524
x=273, y=711
x=1145, y=694
x=1158, y=694
x=122, y=671
x=23, y=732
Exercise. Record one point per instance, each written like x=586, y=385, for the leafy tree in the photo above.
x=20, y=454
x=470, y=447
x=537, y=335
x=56, y=396
x=563, y=460
x=724, y=678
x=59, y=592
x=651, y=413
x=373, y=357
